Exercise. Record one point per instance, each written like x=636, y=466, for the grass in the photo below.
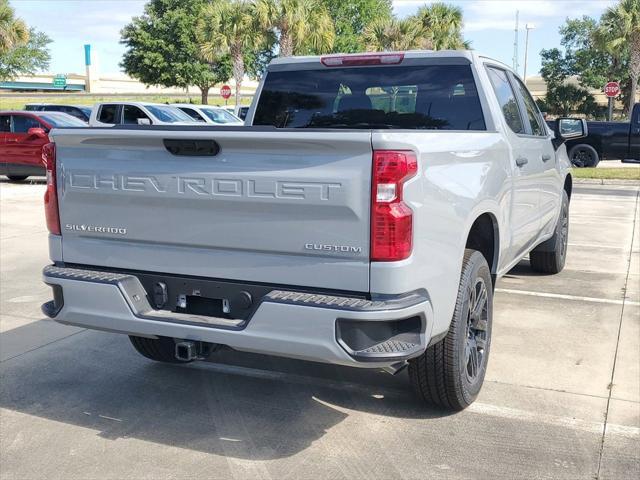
x=18, y=103
x=623, y=173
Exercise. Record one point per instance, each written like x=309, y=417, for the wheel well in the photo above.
x=483, y=237
x=568, y=185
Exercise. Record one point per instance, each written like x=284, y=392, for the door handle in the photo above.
x=14, y=140
x=546, y=157
x=521, y=161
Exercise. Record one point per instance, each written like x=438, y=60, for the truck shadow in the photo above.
x=241, y=405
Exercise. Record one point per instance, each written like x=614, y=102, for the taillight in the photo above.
x=51, y=194
x=391, y=218
x=361, y=60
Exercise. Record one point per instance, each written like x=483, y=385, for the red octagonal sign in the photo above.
x=612, y=89
x=225, y=91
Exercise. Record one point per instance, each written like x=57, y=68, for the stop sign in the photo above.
x=612, y=89
x=225, y=91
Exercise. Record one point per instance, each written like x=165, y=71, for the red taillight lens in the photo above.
x=391, y=218
x=51, y=195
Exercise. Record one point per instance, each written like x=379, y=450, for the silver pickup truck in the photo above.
x=360, y=218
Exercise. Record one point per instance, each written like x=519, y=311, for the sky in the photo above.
x=489, y=25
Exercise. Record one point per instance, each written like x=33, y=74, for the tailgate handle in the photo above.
x=192, y=148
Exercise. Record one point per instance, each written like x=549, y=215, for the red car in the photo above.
x=22, y=136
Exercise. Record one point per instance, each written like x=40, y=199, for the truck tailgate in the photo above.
x=289, y=208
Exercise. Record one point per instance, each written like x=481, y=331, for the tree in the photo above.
x=351, y=18
x=389, y=34
x=227, y=28
x=13, y=31
x=442, y=26
x=26, y=59
x=162, y=48
x=303, y=26
x=619, y=34
x=563, y=98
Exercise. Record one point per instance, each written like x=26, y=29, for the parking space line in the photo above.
x=567, y=297
x=594, y=245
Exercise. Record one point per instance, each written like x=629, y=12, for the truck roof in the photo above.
x=404, y=57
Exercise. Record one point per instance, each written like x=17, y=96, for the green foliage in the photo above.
x=351, y=18
x=13, y=31
x=303, y=27
x=390, y=34
x=441, y=26
x=619, y=35
x=595, y=52
x=26, y=59
x=436, y=27
x=162, y=48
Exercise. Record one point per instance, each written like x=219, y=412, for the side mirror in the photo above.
x=144, y=121
x=569, y=129
x=37, y=132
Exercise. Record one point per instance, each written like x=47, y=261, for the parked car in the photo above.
x=608, y=141
x=137, y=113
x=209, y=114
x=362, y=219
x=22, y=136
x=81, y=112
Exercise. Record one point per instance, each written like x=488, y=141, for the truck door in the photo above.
x=21, y=148
x=544, y=157
x=526, y=165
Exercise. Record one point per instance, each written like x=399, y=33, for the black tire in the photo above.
x=162, y=349
x=584, y=155
x=550, y=256
x=17, y=178
x=445, y=375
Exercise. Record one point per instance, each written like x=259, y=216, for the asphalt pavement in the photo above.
x=561, y=399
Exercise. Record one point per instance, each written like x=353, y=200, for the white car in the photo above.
x=137, y=113
x=209, y=114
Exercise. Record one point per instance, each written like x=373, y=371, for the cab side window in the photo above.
x=535, y=118
x=5, y=124
x=506, y=99
x=131, y=114
x=23, y=124
x=108, y=114
x=192, y=113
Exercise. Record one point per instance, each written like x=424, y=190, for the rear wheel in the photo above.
x=550, y=256
x=161, y=349
x=17, y=178
x=451, y=372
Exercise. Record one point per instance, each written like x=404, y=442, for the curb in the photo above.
x=606, y=181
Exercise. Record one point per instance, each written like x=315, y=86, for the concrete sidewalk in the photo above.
x=561, y=400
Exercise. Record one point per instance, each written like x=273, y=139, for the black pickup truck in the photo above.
x=607, y=141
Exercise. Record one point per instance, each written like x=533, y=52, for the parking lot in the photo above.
x=561, y=400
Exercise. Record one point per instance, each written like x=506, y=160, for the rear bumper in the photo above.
x=329, y=329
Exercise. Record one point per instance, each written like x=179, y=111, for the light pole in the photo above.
x=528, y=26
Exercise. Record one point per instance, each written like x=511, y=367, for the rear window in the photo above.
x=417, y=97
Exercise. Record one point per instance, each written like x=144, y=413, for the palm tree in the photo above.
x=442, y=27
x=390, y=34
x=618, y=31
x=303, y=26
x=227, y=27
x=13, y=31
